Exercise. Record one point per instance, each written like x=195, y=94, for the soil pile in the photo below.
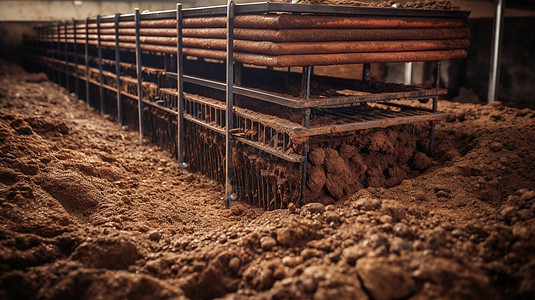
x=88, y=213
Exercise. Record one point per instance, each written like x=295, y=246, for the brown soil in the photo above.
x=88, y=213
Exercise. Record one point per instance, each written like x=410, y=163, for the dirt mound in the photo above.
x=462, y=229
x=108, y=253
x=75, y=192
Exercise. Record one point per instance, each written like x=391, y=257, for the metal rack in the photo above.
x=152, y=71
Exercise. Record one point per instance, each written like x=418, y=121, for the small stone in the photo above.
x=521, y=232
x=234, y=264
x=375, y=241
x=385, y=219
x=292, y=261
x=330, y=207
x=267, y=242
x=364, y=203
x=495, y=146
x=155, y=235
x=284, y=236
x=308, y=253
x=332, y=217
x=436, y=237
x=222, y=238
x=292, y=209
x=457, y=232
x=399, y=245
x=309, y=285
x=402, y=230
x=314, y=207
x=527, y=196
x=508, y=212
x=352, y=253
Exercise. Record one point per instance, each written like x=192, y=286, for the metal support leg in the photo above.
x=230, y=100
x=75, y=50
x=366, y=73
x=407, y=78
x=305, y=81
x=100, y=77
x=66, y=48
x=87, y=94
x=306, y=77
x=494, y=77
x=118, y=74
x=180, y=88
x=437, y=75
x=139, y=77
x=59, y=50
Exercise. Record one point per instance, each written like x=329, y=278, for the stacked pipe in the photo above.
x=285, y=40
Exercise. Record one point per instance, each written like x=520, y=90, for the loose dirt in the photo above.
x=89, y=213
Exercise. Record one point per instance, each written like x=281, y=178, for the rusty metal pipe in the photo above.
x=311, y=35
x=271, y=48
x=273, y=21
x=330, y=59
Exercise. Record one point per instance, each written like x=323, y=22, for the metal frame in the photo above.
x=232, y=130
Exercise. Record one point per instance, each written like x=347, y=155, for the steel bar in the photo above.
x=432, y=130
x=139, y=73
x=437, y=75
x=229, y=99
x=494, y=76
x=118, y=74
x=180, y=87
x=379, y=123
x=87, y=93
x=101, y=81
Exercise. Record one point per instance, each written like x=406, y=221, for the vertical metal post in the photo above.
x=139, y=78
x=305, y=81
x=437, y=75
x=100, y=77
x=180, y=87
x=118, y=73
x=306, y=77
x=65, y=45
x=59, y=51
x=407, y=78
x=230, y=100
x=366, y=73
x=75, y=50
x=494, y=76
x=87, y=100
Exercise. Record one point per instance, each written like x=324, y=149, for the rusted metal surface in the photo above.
x=274, y=21
x=271, y=48
x=312, y=35
x=329, y=59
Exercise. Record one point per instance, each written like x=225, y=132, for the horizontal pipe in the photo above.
x=311, y=35
x=271, y=48
x=330, y=59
